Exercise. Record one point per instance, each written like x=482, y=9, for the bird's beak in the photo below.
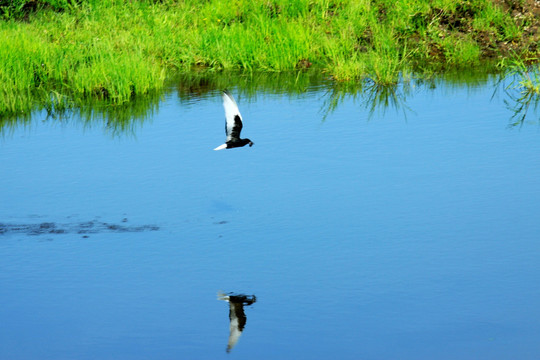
x=250, y=143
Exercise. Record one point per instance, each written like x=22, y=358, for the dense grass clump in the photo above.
x=20, y=9
x=118, y=49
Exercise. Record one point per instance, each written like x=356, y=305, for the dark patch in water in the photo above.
x=86, y=227
x=221, y=222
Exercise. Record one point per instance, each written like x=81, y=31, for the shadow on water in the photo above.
x=519, y=103
x=372, y=96
x=237, y=316
x=84, y=228
x=195, y=85
x=521, y=88
x=378, y=99
x=116, y=119
x=122, y=119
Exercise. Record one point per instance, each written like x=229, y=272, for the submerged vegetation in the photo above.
x=57, y=53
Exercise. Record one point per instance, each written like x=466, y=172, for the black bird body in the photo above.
x=233, y=124
x=237, y=316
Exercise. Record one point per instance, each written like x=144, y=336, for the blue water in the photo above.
x=402, y=234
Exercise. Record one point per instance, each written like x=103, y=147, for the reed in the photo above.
x=114, y=50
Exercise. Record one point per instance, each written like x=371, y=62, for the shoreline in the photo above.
x=115, y=50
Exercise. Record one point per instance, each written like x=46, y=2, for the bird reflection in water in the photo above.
x=236, y=314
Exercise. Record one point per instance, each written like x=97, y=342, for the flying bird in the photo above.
x=233, y=124
x=237, y=316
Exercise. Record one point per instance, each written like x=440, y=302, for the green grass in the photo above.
x=67, y=51
x=528, y=77
x=521, y=83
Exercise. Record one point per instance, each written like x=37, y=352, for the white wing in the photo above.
x=233, y=125
x=234, y=329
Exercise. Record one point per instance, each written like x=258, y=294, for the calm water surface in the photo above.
x=408, y=233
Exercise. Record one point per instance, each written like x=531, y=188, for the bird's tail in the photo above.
x=222, y=296
x=221, y=147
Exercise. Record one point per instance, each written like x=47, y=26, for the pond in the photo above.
x=364, y=223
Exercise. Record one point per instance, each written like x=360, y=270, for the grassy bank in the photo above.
x=53, y=51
